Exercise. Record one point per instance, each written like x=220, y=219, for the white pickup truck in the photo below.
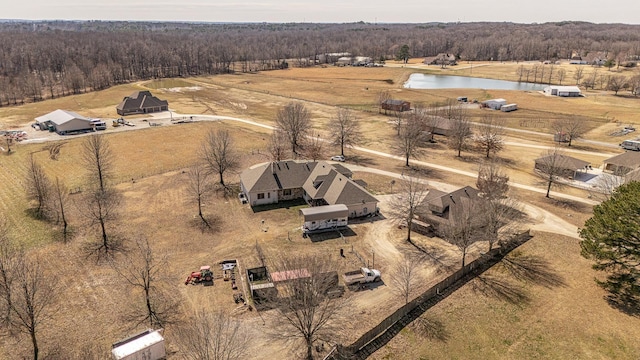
x=362, y=276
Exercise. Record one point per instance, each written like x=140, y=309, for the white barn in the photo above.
x=494, y=104
x=564, y=91
x=64, y=122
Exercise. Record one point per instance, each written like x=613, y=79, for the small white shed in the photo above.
x=147, y=345
x=325, y=217
x=494, y=104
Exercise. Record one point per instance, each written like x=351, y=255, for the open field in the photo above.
x=561, y=321
x=561, y=316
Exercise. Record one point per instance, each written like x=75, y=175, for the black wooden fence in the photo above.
x=479, y=265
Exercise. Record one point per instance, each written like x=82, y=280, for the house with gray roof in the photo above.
x=141, y=102
x=560, y=165
x=439, y=208
x=317, y=182
x=64, y=122
x=623, y=163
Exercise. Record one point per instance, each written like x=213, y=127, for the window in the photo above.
x=286, y=192
x=260, y=196
x=269, y=195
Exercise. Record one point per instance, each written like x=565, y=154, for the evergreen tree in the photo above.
x=612, y=239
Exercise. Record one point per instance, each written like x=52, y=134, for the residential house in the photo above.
x=395, y=105
x=623, y=163
x=563, y=166
x=141, y=102
x=317, y=182
x=439, y=208
x=442, y=59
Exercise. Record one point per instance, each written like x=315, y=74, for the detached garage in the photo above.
x=64, y=122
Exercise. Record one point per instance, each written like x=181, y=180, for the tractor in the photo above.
x=204, y=276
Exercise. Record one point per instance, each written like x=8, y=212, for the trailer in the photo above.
x=631, y=145
x=147, y=345
x=509, y=107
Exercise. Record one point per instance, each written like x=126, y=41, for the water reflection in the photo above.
x=428, y=81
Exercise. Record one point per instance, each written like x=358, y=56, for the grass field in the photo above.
x=564, y=321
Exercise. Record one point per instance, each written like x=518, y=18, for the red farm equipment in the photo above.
x=204, y=276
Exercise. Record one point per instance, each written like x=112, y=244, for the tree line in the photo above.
x=49, y=59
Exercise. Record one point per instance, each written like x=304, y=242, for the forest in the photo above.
x=48, y=59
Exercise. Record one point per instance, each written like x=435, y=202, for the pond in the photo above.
x=428, y=81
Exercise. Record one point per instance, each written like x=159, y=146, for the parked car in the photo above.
x=242, y=198
x=338, y=158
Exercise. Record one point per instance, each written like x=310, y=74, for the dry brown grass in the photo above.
x=570, y=320
x=156, y=205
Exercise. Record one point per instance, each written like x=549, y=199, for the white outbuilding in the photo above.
x=64, y=122
x=147, y=345
x=494, y=104
x=564, y=91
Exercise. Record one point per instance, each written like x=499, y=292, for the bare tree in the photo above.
x=399, y=119
x=345, y=130
x=38, y=188
x=464, y=227
x=305, y=308
x=212, y=335
x=314, y=148
x=60, y=200
x=492, y=181
x=460, y=133
x=617, y=83
x=199, y=187
x=551, y=167
x=411, y=139
x=9, y=256
x=294, y=120
x=32, y=299
x=406, y=204
x=277, y=145
x=432, y=120
x=145, y=272
x=573, y=128
x=404, y=276
x=383, y=96
x=219, y=153
x=501, y=217
x=490, y=135
x=100, y=207
x=561, y=74
x=578, y=74
x=98, y=159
